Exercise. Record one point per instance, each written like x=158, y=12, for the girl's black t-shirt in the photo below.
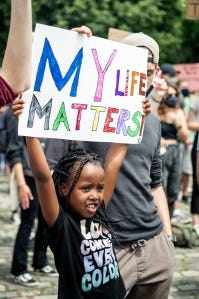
x=85, y=258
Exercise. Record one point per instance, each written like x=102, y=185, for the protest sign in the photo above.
x=193, y=9
x=84, y=88
x=117, y=34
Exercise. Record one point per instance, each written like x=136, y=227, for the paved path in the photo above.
x=186, y=276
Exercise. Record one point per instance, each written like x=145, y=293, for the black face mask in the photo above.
x=170, y=101
x=185, y=92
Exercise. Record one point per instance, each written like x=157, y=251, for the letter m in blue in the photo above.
x=60, y=82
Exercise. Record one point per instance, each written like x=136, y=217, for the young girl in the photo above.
x=73, y=204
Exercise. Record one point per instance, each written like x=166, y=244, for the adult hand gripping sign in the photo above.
x=84, y=88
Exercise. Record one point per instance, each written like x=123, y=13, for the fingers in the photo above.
x=83, y=30
x=146, y=106
x=18, y=106
x=25, y=205
x=31, y=196
x=160, y=82
x=25, y=201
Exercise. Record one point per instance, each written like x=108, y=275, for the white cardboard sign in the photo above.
x=84, y=88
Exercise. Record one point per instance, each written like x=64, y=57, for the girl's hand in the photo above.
x=18, y=106
x=146, y=106
x=83, y=30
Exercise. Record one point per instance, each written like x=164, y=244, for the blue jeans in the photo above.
x=28, y=216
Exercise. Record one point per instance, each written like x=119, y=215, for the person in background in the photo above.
x=169, y=72
x=183, y=88
x=5, y=169
x=193, y=125
x=197, y=162
x=138, y=210
x=171, y=75
x=15, y=72
x=17, y=157
x=14, y=204
x=173, y=127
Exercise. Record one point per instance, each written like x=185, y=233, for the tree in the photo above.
x=162, y=19
x=189, y=51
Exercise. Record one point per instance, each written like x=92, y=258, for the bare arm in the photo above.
x=181, y=125
x=162, y=206
x=16, y=66
x=44, y=182
x=113, y=162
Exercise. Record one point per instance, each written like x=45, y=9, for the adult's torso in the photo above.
x=131, y=210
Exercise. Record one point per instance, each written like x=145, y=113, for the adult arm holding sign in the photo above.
x=15, y=72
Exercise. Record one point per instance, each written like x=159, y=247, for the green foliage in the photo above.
x=160, y=19
x=189, y=51
x=165, y=20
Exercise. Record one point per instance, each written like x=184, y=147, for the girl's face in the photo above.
x=87, y=194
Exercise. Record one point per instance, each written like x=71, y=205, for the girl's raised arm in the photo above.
x=43, y=179
x=113, y=161
x=16, y=66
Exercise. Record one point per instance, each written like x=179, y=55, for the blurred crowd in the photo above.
x=178, y=110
